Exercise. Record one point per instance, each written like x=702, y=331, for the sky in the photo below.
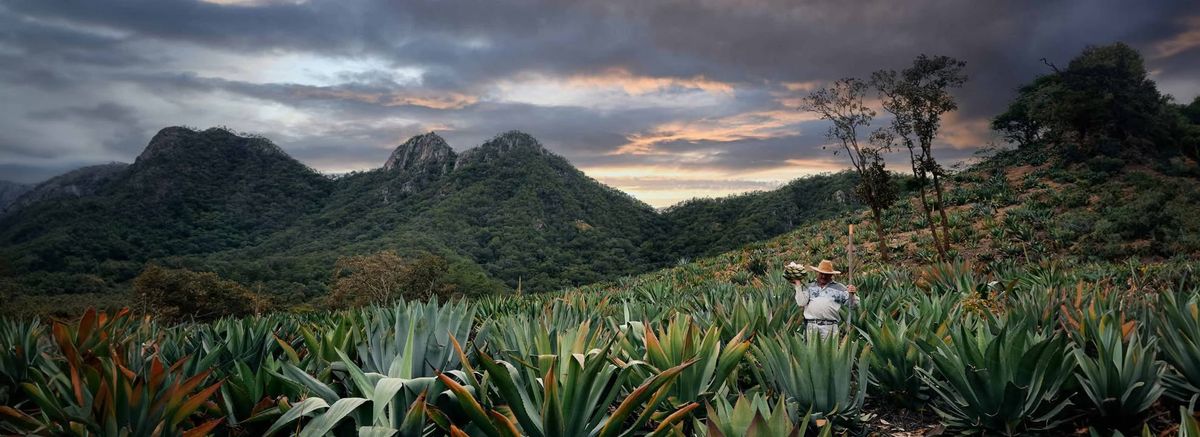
x=666, y=100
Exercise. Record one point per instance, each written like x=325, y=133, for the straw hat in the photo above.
x=826, y=267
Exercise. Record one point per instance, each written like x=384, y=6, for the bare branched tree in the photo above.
x=917, y=97
x=843, y=104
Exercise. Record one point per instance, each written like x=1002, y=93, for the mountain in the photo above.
x=711, y=226
x=189, y=192
x=9, y=192
x=81, y=182
x=507, y=213
x=508, y=210
x=425, y=154
x=527, y=214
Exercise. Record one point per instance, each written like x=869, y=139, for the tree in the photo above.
x=842, y=104
x=1190, y=128
x=1192, y=111
x=385, y=276
x=1017, y=124
x=1105, y=93
x=181, y=294
x=1102, y=103
x=917, y=97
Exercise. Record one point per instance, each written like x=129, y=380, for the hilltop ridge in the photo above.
x=506, y=212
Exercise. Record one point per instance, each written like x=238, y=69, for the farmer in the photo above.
x=823, y=299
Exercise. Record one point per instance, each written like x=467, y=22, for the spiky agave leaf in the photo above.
x=91, y=386
x=1121, y=378
x=682, y=340
x=1179, y=334
x=577, y=399
x=825, y=375
x=1008, y=382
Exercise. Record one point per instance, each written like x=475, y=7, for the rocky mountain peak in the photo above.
x=514, y=140
x=177, y=141
x=425, y=151
x=504, y=144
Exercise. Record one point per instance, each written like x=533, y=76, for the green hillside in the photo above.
x=189, y=192
x=10, y=191
x=505, y=214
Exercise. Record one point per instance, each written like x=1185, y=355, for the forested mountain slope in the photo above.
x=507, y=213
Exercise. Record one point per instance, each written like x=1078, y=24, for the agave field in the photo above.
x=1028, y=351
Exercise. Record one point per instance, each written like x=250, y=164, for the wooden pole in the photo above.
x=850, y=258
x=850, y=271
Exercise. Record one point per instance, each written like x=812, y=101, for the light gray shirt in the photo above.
x=823, y=303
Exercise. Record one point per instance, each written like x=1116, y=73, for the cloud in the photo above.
x=965, y=133
x=1182, y=42
x=642, y=85
x=749, y=125
x=429, y=100
x=625, y=89
x=104, y=112
x=664, y=192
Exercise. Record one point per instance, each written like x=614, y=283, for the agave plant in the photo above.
x=1044, y=276
x=1188, y=426
x=575, y=398
x=655, y=292
x=384, y=405
x=1008, y=382
x=253, y=398
x=752, y=312
x=1179, y=334
x=323, y=344
x=754, y=417
x=93, y=389
x=414, y=335
x=498, y=305
x=682, y=341
x=405, y=345
x=826, y=376
x=526, y=340
x=1122, y=380
x=109, y=401
x=246, y=356
x=950, y=277
x=1038, y=305
x=1117, y=372
x=21, y=351
x=250, y=341
x=895, y=355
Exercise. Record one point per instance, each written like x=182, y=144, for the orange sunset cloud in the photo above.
x=1182, y=42
x=748, y=125
x=640, y=85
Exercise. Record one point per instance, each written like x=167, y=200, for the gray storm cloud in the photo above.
x=705, y=88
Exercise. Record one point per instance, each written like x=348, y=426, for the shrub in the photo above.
x=757, y=264
x=385, y=276
x=181, y=294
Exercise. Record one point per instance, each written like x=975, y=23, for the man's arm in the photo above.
x=801, y=295
x=845, y=295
